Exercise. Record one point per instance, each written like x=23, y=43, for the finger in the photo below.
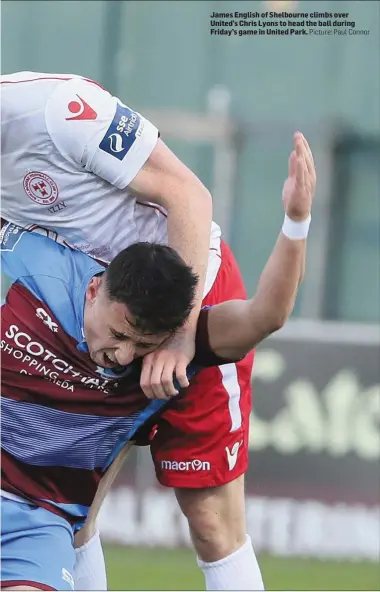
x=292, y=164
x=156, y=380
x=145, y=378
x=167, y=380
x=297, y=138
x=300, y=164
x=162, y=377
x=308, y=150
x=309, y=159
x=181, y=376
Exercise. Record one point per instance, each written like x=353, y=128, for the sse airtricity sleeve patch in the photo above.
x=95, y=131
x=125, y=128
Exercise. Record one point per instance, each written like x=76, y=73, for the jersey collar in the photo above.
x=79, y=303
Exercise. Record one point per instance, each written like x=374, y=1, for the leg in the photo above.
x=216, y=518
x=201, y=450
x=90, y=569
x=217, y=526
x=37, y=548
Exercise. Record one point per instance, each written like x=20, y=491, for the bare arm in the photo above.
x=237, y=326
x=165, y=180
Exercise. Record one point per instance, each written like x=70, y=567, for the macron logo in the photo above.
x=232, y=455
x=188, y=465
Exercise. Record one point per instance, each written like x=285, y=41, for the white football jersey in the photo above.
x=69, y=150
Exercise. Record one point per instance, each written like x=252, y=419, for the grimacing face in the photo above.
x=112, y=340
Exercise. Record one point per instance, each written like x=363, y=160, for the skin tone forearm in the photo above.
x=236, y=327
x=165, y=180
x=189, y=234
x=279, y=283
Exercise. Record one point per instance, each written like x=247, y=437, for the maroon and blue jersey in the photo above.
x=64, y=419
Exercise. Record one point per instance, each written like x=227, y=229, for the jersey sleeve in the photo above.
x=204, y=356
x=96, y=131
x=27, y=260
x=18, y=253
x=27, y=254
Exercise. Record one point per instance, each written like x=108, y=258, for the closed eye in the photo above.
x=119, y=336
x=145, y=345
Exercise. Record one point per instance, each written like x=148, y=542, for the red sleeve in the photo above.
x=204, y=356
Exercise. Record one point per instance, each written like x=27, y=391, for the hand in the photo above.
x=170, y=360
x=299, y=187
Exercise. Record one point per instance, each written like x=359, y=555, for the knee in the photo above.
x=216, y=520
x=214, y=536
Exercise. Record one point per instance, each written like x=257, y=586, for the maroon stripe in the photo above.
x=109, y=401
x=154, y=207
x=51, y=78
x=13, y=583
x=123, y=403
x=63, y=485
x=34, y=79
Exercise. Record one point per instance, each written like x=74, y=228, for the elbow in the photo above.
x=205, y=199
x=277, y=321
x=195, y=190
x=195, y=198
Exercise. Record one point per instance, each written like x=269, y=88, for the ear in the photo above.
x=93, y=288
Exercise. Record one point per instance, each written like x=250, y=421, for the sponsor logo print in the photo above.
x=10, y=236
x=116, y=143
x=81, y=110
x=39, y=359
x=232, y=455
x=57, y=208
x=40, y=188
x=46, y=319
x=126, y=126
x=189, y=465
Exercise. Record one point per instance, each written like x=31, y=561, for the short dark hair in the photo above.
x=155, y=284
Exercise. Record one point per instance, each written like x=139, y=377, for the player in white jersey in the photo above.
x=79, y=162
x=74, y=158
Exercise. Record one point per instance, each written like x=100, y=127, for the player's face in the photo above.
x=111, y=339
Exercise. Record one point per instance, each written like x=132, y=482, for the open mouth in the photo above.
x=108, y=362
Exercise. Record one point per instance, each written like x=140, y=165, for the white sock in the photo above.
x=90, y=569
x=238, y=571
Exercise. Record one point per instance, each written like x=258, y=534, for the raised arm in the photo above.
x=237, y=326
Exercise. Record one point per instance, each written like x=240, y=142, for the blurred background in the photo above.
x=228, y=107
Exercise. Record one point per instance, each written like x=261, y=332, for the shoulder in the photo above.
x=25, y=253
x=75, y=115
x=95, y=131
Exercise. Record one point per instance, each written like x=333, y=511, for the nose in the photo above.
x=125, y=354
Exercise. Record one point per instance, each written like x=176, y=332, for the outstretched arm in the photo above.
x=237, y=326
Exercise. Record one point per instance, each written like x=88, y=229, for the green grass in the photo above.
x=157, y=569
